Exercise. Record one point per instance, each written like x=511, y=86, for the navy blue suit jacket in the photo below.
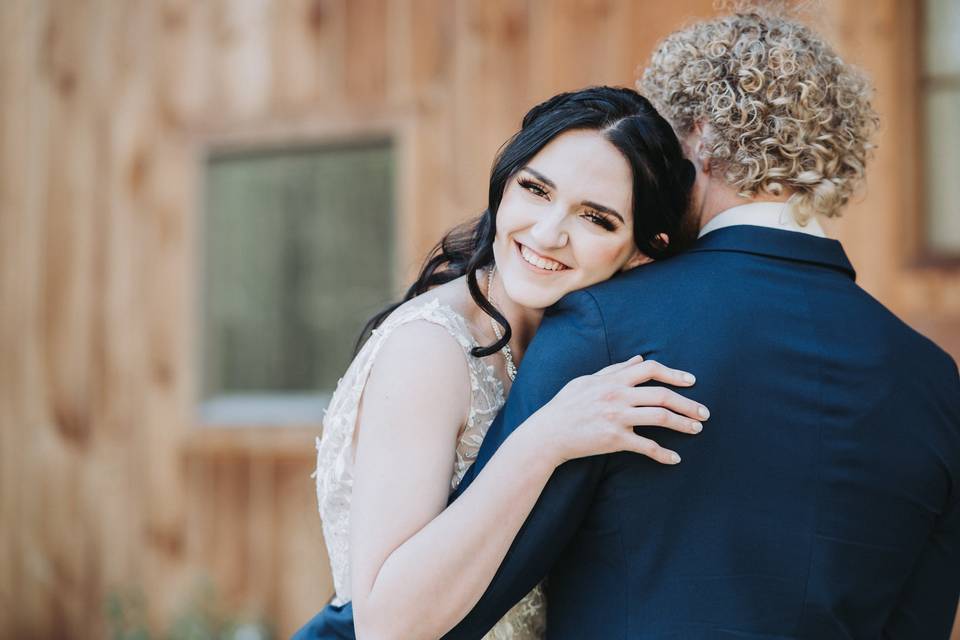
x=821, y=499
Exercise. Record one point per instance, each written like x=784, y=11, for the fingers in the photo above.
x=668, y=399
x=640, y=372
x=619, y=366
x=660, y=417
x=649, y=448
x=653, y=406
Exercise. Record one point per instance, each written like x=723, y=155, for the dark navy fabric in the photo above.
x=819, y=502
x=332, y=623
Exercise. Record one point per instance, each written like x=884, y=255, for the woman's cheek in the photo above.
x=605, y=259
x=513, y=216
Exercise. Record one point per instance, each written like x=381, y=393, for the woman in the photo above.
x=593, y=183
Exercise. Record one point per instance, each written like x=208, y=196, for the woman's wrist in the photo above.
x=535, y=446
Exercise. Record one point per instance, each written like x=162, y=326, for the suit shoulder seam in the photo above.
x=603, y=325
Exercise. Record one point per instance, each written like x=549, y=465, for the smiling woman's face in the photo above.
x=566, y=220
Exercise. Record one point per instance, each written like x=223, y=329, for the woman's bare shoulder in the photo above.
x=421, y=364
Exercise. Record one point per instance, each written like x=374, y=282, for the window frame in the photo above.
x=925, y=255
x=265, y=409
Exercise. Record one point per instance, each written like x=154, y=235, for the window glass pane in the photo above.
x=942, y=170
x=942, y=28
x=941, y=111
x=298, y=252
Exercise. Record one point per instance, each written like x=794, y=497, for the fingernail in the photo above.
x=688, y=377
x=704, y=413
x=674, y=458
x=696, y=427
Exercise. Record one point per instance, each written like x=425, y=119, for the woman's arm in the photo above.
x=417, y=569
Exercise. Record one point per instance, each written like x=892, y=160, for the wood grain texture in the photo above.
x=106, y=482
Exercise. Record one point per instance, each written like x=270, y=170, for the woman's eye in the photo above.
x=600, y=220
x=533, y=187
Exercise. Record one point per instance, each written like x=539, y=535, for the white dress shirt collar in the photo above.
x=776, y=215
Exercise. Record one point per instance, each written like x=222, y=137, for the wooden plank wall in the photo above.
x=107, y=106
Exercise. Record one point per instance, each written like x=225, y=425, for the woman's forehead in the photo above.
x=584, y=165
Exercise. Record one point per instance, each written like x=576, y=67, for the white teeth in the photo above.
x=538, y=261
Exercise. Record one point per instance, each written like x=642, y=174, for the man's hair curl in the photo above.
x=786, y=114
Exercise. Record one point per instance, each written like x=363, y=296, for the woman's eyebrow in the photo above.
x=600, y=207
x=587, y=203
x=542, y=178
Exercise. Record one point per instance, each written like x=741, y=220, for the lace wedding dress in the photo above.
x=334, y=475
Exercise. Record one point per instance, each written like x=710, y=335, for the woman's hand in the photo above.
x=596, y=414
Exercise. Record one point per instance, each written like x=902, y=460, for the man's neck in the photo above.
x=721, y=206
x=716, y=201
x=773, y=215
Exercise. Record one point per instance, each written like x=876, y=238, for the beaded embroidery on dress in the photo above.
x=334, y=473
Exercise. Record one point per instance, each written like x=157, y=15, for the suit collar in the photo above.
x=776, y=243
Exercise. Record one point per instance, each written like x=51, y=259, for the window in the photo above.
x=298, y=253
x=941, y=113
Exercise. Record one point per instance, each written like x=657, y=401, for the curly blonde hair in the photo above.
x=785, y=113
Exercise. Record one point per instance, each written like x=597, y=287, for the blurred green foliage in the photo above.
x=202, y=618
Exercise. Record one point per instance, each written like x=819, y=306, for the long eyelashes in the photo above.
x=533, y=187
x=601, y=220
x=537, y=189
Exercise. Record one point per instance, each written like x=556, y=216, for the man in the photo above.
x=821, y=499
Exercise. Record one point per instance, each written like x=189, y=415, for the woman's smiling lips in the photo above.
x=539, y=263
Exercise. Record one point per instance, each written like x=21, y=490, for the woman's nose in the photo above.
x=549, y=231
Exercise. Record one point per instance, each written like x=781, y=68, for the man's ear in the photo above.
x=703, y=155
x=695, y=147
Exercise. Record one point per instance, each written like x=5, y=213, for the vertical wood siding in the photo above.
x=105, y=480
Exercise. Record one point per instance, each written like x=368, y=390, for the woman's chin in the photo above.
x=531, y=296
